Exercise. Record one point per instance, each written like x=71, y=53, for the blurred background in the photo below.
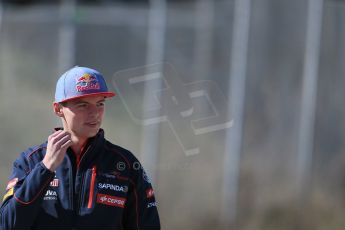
x=234, y=107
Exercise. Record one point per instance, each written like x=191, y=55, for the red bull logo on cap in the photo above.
x=87, y=82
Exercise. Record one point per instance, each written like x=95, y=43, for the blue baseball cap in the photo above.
x=81, y=82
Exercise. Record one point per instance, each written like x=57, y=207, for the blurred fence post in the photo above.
x=1, y=13
x=204, y=37
x=309, y=98
x=236, y=94
x=66, y=35
x=155, y=54
x=6, y=67
x=2, y=80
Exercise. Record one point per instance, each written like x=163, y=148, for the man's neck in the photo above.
x=78, y=144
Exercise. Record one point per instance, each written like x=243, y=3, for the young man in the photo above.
x=77, y=179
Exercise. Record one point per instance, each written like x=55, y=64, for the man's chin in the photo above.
x=88, y=132
x=93, y=132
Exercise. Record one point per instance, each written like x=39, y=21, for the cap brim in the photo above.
x=105, y=94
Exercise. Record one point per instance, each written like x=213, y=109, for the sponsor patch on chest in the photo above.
x=12, y=183
x=8, y=194
x=150, y=193
x=54, y=183
x=114, y=187
x=50, y=195
x=111, y=200
x=151, y=204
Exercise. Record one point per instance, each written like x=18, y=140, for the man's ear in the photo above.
x=58, y=109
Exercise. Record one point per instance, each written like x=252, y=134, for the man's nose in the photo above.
x=93, y=110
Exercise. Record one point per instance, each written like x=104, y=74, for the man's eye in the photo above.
x=81, y=105
x=100, y=104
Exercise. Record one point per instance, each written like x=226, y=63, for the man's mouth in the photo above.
x=92, y=123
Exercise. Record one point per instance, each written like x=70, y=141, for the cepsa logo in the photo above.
x=111, y=200
x=87, y=82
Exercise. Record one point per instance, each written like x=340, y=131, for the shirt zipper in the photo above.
x=81, y=192
x=92, y=186
x=71, y=181
x=79, y=159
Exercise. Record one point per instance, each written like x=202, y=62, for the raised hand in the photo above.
x=58, y=142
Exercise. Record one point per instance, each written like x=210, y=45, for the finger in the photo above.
x=67, y=144
x=59, y=136
x=54, y=134
x=62, y=141
x=62, y=133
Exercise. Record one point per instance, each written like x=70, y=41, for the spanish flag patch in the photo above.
x=8, y=194
x=12, y=183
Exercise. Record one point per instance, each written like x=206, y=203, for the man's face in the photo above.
x=83, y=117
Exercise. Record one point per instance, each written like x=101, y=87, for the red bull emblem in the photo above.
x=87, y=82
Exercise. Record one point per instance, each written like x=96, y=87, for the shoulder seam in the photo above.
x=35, y=197
x=136, y=202
x=120, y=154
x=35, y=151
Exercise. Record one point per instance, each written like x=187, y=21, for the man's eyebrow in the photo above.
x=80, y=101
